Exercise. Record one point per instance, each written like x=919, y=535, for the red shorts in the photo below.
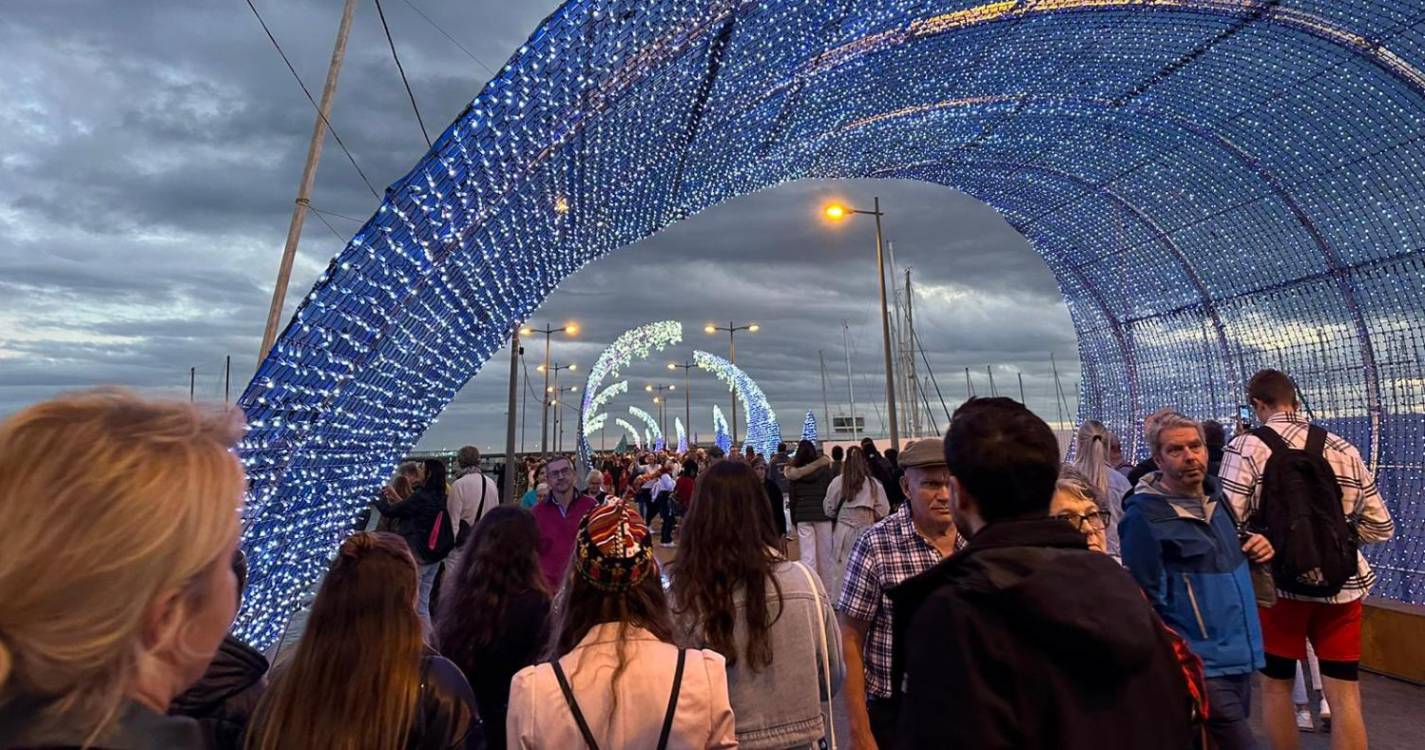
x=1334, y=630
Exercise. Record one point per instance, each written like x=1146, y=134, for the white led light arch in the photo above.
x=1217, y=186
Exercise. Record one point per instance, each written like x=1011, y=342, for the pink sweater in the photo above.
x=557, y=530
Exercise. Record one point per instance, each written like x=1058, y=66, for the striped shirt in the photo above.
x=886, y=554
x=1241, y=474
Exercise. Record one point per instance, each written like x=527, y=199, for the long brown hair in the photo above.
x=579, y=607
x=727, y=543
x=854, y=473
x=805, y=455
x=499, y=561
x=355, y=679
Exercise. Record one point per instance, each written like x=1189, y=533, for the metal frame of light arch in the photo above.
x=619, y=117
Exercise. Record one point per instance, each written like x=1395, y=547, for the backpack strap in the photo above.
x=1316, y=441
x=574, y=705
x=1271, y=438
x=672, y=701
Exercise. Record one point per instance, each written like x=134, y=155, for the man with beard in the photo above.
x=1180, y=540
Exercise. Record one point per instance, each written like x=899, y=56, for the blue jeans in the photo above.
x=1229, y=700
x=427, y=582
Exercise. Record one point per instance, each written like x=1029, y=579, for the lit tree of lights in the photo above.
x=633, y=344
x=633, y=431
x=809, y=427
x=682, y=434
x=763, y=431
x=1194, y=239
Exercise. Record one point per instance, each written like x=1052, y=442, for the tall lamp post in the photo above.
x=838, y=212
x=555, y=395
x=549, y=393
x=686, y=366
x=569, y=328
x=732, y=329
x=662, y=402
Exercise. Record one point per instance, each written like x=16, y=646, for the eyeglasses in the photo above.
x=1097, y=520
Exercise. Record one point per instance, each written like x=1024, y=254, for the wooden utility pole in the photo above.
x=304, y=189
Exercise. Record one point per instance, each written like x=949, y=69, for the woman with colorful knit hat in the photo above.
x=616, y=677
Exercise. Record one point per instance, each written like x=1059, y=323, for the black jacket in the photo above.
x=806, y=486
x=774, y=503
x=224, y=700
x=415, y=516
x=1027, y=639
x=446, y=718
x=519, y=639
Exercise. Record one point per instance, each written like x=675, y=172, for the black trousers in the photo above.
x=885, y=714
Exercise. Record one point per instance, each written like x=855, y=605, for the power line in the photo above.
x=442, y=31
x=331, y=129
x=335, y=214
x=321, y=218
x=402, y=70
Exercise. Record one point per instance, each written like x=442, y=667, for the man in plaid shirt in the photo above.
x=904, y=544
x=1333, y=624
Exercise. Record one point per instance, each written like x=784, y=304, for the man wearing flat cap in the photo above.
x=906, y=543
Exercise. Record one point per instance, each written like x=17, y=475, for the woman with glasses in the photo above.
x=1077, y=502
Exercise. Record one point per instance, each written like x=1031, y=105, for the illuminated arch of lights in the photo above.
x=1217, y=185
x=682, y=434
x=722, y=437
x=633, y=431
x=763, y=431
x=648, y=421
x=633, y=344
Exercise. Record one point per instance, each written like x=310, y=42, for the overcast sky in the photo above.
x=150, y=151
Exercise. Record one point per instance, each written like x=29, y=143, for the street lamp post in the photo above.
x=662, y=402
x=551, y=392
x=732, y=329
x=556, y=394
x=571, y=329
x=686, y=366
x=837, y=212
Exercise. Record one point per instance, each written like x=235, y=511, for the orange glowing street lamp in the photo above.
x=836, y=212
x=732, y=329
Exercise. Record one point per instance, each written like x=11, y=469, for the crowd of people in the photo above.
x=972, y=591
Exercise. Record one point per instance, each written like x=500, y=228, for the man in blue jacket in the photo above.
x=1180, y=541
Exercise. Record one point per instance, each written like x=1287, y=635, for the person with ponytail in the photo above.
x=615, y=676
x=117, y=584
x=362, y=676
x=1092, y=453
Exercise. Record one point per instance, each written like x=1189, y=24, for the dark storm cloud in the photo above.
x=149, y=152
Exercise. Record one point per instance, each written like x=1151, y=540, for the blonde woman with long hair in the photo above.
x=1092, y=451
x=362, y=676
x=116, y=587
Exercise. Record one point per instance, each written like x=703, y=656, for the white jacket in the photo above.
x=539, y=717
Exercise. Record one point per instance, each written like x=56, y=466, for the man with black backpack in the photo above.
x=1308, y=491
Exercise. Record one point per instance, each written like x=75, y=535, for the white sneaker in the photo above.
x=1303, y=720
x=1325, y=715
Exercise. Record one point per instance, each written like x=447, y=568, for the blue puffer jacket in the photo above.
x=1195, y=574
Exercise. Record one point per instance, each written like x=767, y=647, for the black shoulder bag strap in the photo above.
x=484, y=488
x=672, y=701
x=574, y=705
x=1316, y=441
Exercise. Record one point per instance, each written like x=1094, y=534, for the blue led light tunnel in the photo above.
x=1218, y=186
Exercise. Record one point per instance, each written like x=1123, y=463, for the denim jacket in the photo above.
x=1194, y=573
x=779, y=706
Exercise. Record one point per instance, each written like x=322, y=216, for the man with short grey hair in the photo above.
x=1180, y=541
x=470, y=496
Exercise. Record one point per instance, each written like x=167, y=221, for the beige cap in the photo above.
x=923, y=452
